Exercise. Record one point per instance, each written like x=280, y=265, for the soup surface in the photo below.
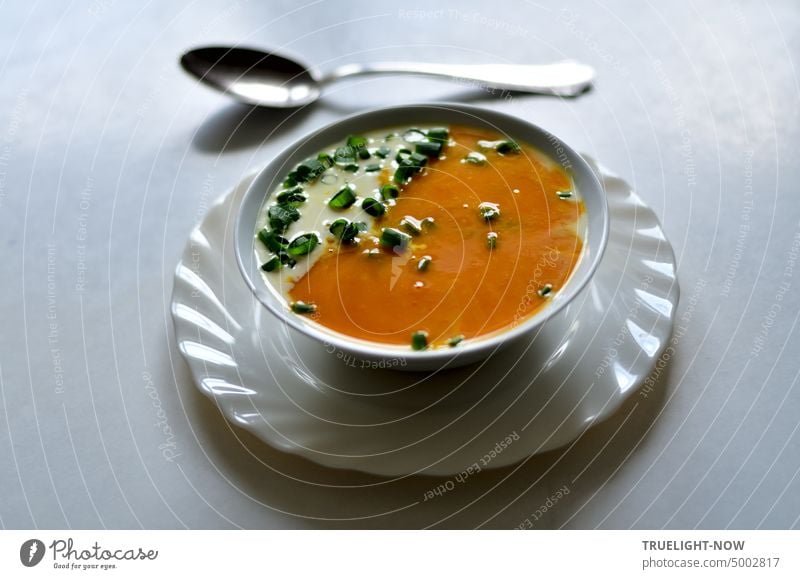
x=424, y=237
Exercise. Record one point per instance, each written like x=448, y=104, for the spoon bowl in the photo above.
x=253, y=76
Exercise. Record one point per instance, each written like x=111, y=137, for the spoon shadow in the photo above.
x=239, y=126
x=301, y=493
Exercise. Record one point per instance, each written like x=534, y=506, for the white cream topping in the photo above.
x=316, y=215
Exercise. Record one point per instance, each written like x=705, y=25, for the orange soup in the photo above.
x=427, y=237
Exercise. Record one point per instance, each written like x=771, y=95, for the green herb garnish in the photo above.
x=408, y=166
x=346, y=231
x=344, y=156
x=402, y=154
x=325, y=159
x=302, y=244
x=429, y=148
x=419, y=340
x=272, y=264
x=281, y=216
x=272, y=240
x=389, y=191
x=308, y=171
x=293, y=196
x=455, y=341
x=372, y=168
x=439, y=134
x=546, y=290
x=382, y=152
x=395, y=240
x=303, y=308
x=418, y=159
x=343, y=199
x=424, y=262
x=359, y=145
x=278, y=261
x=373, y=207
x=564, y=194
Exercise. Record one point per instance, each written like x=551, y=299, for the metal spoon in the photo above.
x=270, y=80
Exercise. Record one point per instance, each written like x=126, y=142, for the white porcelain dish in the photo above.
x=257, y=195
x=318, y=401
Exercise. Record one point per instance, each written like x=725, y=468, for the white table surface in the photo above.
x=109, y=155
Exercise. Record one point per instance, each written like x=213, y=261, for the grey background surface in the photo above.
x=109, y=155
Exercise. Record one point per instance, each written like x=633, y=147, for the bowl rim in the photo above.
x=376, y=350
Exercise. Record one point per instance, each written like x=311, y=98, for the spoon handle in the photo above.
x=565, y=78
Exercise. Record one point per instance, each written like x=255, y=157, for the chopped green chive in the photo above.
x=372, y=168
x=507, y=148
x=491, y=239
x=408, y=165
x=325, y=159
x=429, y=148
x=303, y=308
x=359, y=145
x=382, y=152
x=309, y=171
x=546, y=290
x=281, y=216
x=346, y=231
x=395, y=240
x=352, y=167
x=404, y=172
x=489, y=211
x=272, y=264
x=424, y=262
x=302, y=244
x=475, y=158
x=389, y=191
x=418, y=159
x=344, y=155
x=419, y=340
x=338, y=227
x=402, y=154
x=343, y=199
x=564, y=194
x=293, y=196
x=439, y=134
x=373, y=207
x=272, y=240
x=455, y=341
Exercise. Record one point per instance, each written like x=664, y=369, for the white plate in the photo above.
x=313, y=401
